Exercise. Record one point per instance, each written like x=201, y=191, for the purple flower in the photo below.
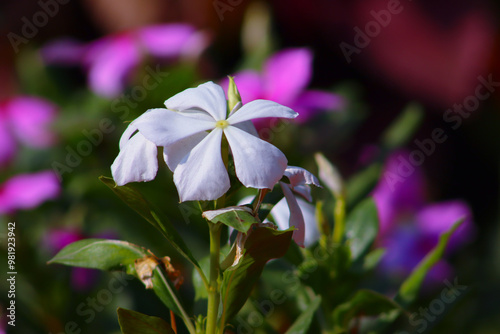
x=27, y=191
x=284, y=79
x=409, y=226
x=25, y=120
x=111, y=60
x=82, y=279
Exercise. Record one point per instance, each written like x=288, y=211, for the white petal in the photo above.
x=261, y=109
x=304, y=191
x=173, y=154
x=165, y=127
x=248, y=126
x=296, y=217
x=208, y=97
x=136, y=162
x=300, y=176
x=258, y=164
x=201, y=175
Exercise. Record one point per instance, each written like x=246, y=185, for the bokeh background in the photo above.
x=430, y=53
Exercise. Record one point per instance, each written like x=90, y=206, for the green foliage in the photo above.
x=132, y=322
x=303, y=322
x=362, y=228
x=262, y=245
x=238, y=217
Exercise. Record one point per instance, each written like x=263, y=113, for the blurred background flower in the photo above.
x=410, y=226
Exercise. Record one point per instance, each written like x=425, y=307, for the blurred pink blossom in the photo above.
x=284, y=79
x=27, y=191
x=410, y=226
x=25, y=120
x=111, y=60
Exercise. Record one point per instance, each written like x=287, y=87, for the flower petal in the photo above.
x=173, y=154
x=201, y=175
x=287, y=73
x=136, y=162
x=248, y=126
x=311, y=102
x=165, y=40
x=296, y=218
x=65, y=51
x=165, y=127
x=258, y=164
x=300, y=176
x=8, y=145
x=437, y=218
x=27, y=191
x=30, y=119
x=261, y=109
x=208, y=97
x=111, y=63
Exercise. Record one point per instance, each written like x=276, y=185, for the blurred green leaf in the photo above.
x=361, y=228
x=303, y=322
x=262, y=245
x=364, y=302
x=132, y=322
x=411, y=286
x=134, y=199
x=360, y=185
x=99, y=254
x=403, y=128
x=329, y=175
x=238, y=217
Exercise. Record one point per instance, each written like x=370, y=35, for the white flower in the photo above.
x=293, y=210
x=190, y=130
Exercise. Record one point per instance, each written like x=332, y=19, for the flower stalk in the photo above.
x=213, y=289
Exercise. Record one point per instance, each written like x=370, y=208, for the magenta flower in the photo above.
x=409, y=226
x=111, y=60
x=25, y=120
x=284, y=79
x=27, y=191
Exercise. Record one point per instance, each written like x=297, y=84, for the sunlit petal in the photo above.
x=208, y=97
x=261, y=109
x=258, y=164
x=201, y=175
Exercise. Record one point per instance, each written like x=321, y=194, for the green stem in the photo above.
x=213, y=289
x=185, y=316
x=339, y=215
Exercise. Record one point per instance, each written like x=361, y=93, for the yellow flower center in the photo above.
x=222, y=124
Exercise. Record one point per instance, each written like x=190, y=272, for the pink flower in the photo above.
x=410, y=226
x=284, y=79
x=27, y=191
x=111, y=60
x=25, y=120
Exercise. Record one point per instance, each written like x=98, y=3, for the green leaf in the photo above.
x=238, y=217
x=359, y=185
x=303, y=322
x=411, y=286
x=262, y=245
x=403, y=128
x=365, y=302
x=117, y=255
x=99, y=254
x=132, y=322
x=361, y=228
x=134, y=199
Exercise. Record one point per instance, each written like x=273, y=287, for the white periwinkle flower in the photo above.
x=293, y=210
x=190, y=131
